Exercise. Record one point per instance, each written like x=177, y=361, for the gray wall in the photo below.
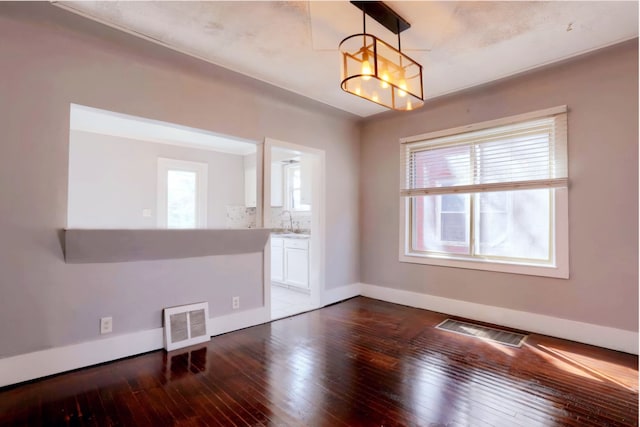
x=601, y=92
x=112, y=179
x=50, y=58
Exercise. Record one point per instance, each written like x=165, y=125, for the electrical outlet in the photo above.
x=106, y=325
x=235, y=303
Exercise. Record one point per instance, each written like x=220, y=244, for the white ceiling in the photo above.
x=294, y=44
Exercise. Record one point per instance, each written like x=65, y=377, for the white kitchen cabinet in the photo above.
x=290, y=262
x=277, y=259
x=250, y=181
x=296, y=262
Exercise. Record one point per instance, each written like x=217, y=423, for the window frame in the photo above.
x=559, y=221
x=290, y=188
x=201, y=170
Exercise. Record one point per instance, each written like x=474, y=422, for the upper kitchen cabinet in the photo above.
x=250, y=182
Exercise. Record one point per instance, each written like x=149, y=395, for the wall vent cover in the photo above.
x=186, y=325
x=483, y=332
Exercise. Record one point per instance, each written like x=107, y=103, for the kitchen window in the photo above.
x=294, y=188
x=489, y=196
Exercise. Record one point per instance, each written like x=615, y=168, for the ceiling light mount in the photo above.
x=374, y=70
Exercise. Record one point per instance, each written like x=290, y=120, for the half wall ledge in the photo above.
x=83, y=246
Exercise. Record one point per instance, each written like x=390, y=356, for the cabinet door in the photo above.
x=297, y=267
x=277, y=260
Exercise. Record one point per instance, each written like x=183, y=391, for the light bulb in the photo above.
x=385, y=79
x=357, y=91
x=366, y=70
x=403, y=87
x=409, y=106
x=374, y=97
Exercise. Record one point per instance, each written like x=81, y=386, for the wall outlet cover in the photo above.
x=106, y=325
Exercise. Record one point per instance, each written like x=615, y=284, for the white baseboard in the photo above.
x=30, y=366
x=601, y=336
x=25, y=367
x=331, y=296
x=239, y=320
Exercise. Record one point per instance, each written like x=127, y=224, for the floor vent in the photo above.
x=185, y=325
x=490, y=334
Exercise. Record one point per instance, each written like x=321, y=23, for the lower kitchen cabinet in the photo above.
x=290, y=262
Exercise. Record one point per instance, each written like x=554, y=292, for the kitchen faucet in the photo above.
x=290, y=219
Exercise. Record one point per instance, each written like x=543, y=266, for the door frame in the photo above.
x=317, y=244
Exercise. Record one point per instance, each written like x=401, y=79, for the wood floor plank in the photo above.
x=358, y=363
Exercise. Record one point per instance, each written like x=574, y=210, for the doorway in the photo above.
x=293, y=208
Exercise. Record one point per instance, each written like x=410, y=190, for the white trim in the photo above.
x=30, y=366
x=341, y=293
x=240, y=320
x=557, y=266
x=487, y=124
x=25, y=367
x=588, y=333
x=317, y=244
x=38, y=364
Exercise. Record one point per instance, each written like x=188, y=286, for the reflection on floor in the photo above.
x=286, y=302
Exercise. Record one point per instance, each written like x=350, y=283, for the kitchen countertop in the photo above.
x=290, y=235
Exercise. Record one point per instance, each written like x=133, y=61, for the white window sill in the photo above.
x=560, y=272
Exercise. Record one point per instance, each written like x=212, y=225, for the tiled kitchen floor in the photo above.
x=286, y=302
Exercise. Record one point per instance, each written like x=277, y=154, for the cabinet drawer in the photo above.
x=296, y=243
x=277, y=242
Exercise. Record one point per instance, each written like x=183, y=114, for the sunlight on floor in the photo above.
x=588, y=367
x=606, y=371
x=287, y=302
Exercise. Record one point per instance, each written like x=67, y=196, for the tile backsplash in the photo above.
x=240, y=217
x=244, y=217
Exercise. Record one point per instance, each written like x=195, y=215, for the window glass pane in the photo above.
x=514, y=224
x=453, y=202
x=181, y=199
x=453, y=227
x=437, y=231
x=296, y=177
x=294, y=189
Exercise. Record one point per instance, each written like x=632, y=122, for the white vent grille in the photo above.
x=185, y=325
x=483, y=332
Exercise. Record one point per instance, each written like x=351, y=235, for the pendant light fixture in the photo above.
x=375, y=70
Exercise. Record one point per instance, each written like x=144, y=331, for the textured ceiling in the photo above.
x=294, y=45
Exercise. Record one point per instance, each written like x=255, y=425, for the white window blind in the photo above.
x=525, y=154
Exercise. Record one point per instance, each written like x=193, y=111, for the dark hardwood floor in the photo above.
x=358, y=363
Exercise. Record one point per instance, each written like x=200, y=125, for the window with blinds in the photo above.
x=486, y=192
